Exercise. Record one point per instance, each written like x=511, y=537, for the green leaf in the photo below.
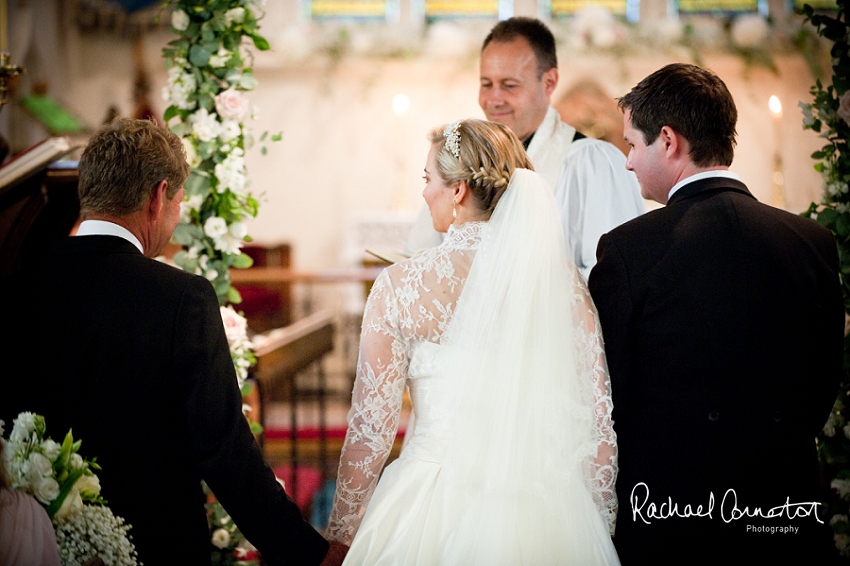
x=198, y=56
x=171, y=112
x=277, y=137
x=842, y=225
x=827, y=217
x=260, y=42
x=243, y=261
x=247, y=81
x=64, y=490
x=233, y=296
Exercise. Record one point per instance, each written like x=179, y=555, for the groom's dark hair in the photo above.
x=692, y=101
x=534, y=31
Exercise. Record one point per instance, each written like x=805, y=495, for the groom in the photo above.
x=131, y=354
x=723, y=323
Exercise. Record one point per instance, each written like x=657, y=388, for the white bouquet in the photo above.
x=66, y=485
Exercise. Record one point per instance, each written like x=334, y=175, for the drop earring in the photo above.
x=454, y=210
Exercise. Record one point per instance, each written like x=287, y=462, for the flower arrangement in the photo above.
x=241, y=348
x=829, y=116
x=208, y=76
x=207, y=80
x=65, y=484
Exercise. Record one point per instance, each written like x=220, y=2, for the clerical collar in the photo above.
x=104, y=228
x=704, y=175
x=527, y=141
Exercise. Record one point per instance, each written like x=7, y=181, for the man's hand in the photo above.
x=336, y=554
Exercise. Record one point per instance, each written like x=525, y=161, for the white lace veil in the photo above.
x=523, y=415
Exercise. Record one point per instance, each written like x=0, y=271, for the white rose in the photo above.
x=179, y=20
x=231, y=104
x=239, y=230
x=39, y=466
x=229, y=130
x=841, y=486
x=220, y=58
x=46, y=490
x=234, y=16
x=204, y=125
x=215, y=227
x=844, y=107
x=221, y=538
x=229, y=245
x=89, y=486
x=73, y=503
x=22, y=427
x=191, y=153
x=76, y=461
x=51, y=449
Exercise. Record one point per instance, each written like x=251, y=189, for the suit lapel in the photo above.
x=712, y=184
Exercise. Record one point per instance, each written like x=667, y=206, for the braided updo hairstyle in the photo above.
x=489, y=153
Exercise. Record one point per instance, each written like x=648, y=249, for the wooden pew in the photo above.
x=281, y=354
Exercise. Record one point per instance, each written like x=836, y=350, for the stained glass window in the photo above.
x=721, y=7
x=365, y=11
x=436, y=10
x=563, y=9
x=820, y=5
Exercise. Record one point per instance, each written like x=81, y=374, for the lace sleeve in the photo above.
x=375, y=411
x=593, y=369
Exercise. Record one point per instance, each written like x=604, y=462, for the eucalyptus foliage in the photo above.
x=829, y=116
x=208, y=73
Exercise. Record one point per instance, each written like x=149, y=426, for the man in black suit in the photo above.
x=723, y=323
x=131, y=354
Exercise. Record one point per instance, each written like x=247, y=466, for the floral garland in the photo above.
x=66, y=486
x=829, y=116
x=207, y=79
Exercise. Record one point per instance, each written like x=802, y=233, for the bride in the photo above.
x=512, y=459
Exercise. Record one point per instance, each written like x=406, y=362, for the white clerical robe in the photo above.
x=592, y=187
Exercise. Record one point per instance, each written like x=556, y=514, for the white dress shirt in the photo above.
x=104, y=228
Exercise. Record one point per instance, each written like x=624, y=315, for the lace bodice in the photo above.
x=408, y=311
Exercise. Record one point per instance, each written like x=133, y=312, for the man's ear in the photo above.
x=158, y=200
x=550, y=80
x=671, y=141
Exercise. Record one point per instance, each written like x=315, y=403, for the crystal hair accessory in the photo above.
x=452, y=136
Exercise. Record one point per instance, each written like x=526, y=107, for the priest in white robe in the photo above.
x=592, y=187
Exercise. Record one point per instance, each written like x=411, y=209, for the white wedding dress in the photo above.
x=512, y=459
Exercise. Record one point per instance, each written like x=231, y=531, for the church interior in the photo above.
x=343, y=104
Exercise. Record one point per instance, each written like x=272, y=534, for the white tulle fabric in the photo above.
x=513, y=456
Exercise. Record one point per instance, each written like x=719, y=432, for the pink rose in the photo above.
x=844, y=107
x=235, y=325
x=231, y=104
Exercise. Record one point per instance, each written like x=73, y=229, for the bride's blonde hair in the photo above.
x=488, y=155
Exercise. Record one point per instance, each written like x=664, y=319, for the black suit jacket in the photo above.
x=131, y=353
x=723, y=324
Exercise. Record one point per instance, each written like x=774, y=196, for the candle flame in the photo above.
x=400, y=104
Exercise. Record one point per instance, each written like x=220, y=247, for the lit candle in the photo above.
x=775, y=106
x=401, y=103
